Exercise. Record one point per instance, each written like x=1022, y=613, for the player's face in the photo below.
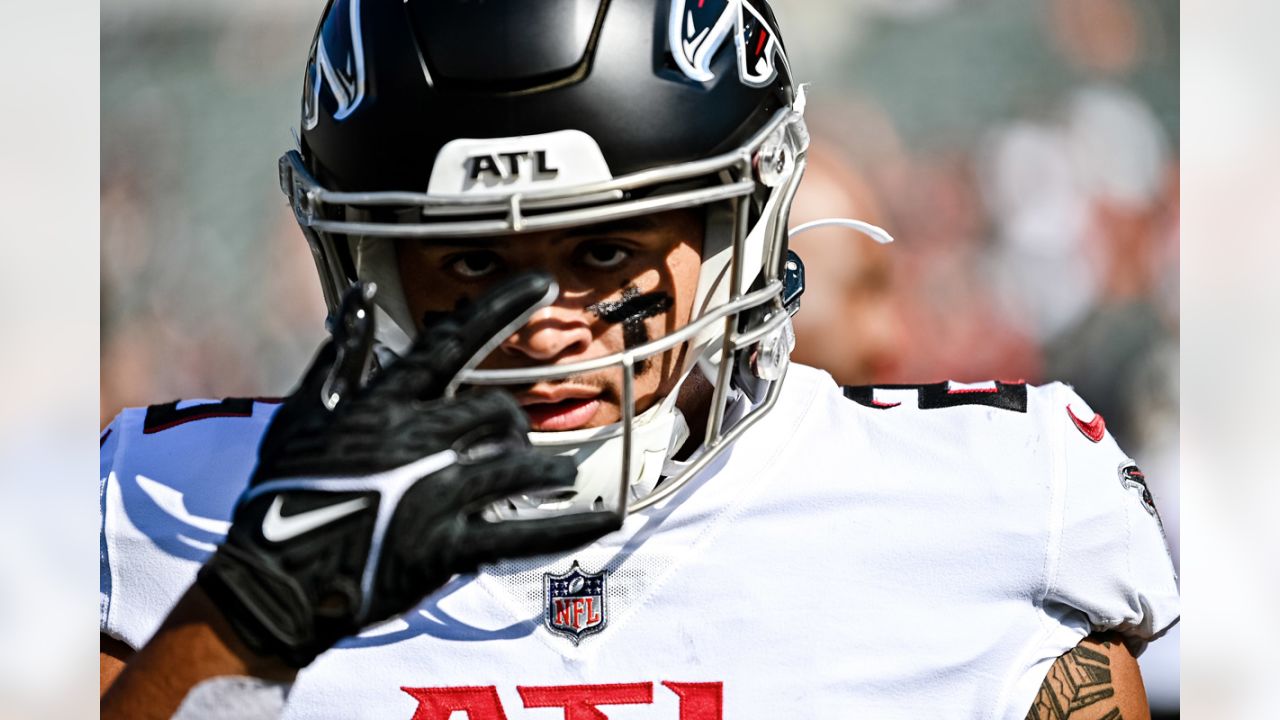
x=622, y=283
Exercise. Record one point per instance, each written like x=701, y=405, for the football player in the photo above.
x=555, y=455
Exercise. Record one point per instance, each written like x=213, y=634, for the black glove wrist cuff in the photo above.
x=265, y=608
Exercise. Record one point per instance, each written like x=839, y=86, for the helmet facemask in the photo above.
x=738, y=334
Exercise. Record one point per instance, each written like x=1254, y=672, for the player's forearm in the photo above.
x=195, y=644
x=1097, y=680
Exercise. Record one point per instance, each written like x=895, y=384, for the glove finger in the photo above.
x=476, y=425
x=465, y=337
x=303, y=404
x=353, y=327
x=480, y=408
x=488, y=542
x=515, y=474
x=334, y=375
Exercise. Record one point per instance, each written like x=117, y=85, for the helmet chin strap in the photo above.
x=875, y=232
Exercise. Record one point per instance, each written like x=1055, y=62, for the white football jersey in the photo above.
x=873, y=553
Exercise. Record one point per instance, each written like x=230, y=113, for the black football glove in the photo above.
x=367, y=495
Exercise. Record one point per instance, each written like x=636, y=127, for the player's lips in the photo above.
x=560, y=408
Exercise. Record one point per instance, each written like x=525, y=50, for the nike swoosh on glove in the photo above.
x=368, y=495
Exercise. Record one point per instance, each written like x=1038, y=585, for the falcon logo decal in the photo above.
x=337, y=64
x=697, y=31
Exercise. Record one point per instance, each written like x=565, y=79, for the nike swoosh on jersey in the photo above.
x=1094, y=429
x=279, y=528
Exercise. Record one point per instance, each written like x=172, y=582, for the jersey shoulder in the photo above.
x=991, y=425
x=998, y=426
x=170, y=477
x=1043, y=453
x=179, y=441
x=942, y=439
x=1011, y=411
x=1003, y=395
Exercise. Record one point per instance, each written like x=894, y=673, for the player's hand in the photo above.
x=367, y=495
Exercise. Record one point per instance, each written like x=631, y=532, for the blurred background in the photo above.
x=1024, y=153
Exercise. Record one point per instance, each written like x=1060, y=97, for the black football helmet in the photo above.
x=447, y=118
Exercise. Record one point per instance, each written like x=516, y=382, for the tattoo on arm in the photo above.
x=1078, y=685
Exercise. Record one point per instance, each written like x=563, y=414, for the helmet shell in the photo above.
x=389, y=83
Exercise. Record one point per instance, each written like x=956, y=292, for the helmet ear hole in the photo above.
x=598, y=503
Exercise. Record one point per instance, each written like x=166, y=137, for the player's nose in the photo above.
x=551, y=334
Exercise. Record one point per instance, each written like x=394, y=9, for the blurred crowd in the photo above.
x=1024, y=154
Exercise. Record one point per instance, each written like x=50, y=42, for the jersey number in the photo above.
x=1006, y=396
x=163, y=417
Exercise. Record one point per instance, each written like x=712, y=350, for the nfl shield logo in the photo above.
x=573, y=603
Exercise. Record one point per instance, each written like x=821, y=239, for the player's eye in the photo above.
x=474, y=264
x=603, y=255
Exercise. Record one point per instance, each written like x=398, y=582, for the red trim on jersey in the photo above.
x=1094, y=429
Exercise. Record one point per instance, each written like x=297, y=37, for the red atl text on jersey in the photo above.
x=698, y=701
